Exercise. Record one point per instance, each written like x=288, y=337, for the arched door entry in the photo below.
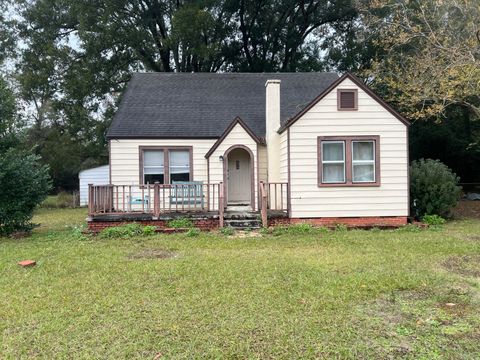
x=239, y=176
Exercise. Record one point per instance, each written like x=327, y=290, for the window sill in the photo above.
x=375, y=184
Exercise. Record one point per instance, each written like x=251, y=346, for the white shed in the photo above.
x=97, y=176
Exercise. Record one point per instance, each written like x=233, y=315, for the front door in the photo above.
x=239, y=177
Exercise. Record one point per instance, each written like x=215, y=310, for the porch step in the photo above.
x=241, y=215
x=243, y=224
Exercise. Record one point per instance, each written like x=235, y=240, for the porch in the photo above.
x=204, y=203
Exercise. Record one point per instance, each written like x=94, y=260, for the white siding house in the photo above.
x=333, y=148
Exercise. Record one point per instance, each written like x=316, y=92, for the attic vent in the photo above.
x=347, y=99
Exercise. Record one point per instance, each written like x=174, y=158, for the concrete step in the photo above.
x=241, y=215
x=243, y=223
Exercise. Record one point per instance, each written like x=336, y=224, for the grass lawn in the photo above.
x=343, y=294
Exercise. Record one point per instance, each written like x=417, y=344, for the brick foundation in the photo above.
x=212, y=223
x=206, y=224
x=351, y=222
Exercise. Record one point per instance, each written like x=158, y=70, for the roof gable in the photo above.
x=236, y=121
x=332, y=86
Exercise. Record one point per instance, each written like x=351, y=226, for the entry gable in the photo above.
x=333, y=86
x=235, y=122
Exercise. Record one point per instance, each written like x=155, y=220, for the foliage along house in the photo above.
x=290, y=147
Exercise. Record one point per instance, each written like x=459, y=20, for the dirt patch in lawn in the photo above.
x=153, y=254
x=468, y=265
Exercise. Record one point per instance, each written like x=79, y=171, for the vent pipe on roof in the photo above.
x=272, y=118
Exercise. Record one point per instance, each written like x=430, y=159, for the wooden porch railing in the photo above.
x=155, y=198
x=273, y=197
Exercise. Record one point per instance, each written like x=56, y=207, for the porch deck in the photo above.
x=203, y=203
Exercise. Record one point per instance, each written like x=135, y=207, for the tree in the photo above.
x=432, y=55
x=25, y=183
x=8, y=119
x=23, y=180
x=274, y=35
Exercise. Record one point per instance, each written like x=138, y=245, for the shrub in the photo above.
x=25, y=184
x=180, y=223
x=149, y=230
x=123, y=231
x=433, y=220
x=80, y=232
x=228, y=230
x=433, y=188
x=193, y=232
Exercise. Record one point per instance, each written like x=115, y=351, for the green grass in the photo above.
x=315, y=294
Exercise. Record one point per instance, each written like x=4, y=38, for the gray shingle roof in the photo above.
x=202, y=105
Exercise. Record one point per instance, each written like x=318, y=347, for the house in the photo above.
x=289, y=147
x=97, y=175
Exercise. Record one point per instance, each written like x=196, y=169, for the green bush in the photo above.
x=433, y=220
x=433, y=188
x=149, y=230
x=227, y=231
x=180, y=223
x=127, y=231
x=193, y=232
x=25, y=184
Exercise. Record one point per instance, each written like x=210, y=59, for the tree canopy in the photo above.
x=69, y=60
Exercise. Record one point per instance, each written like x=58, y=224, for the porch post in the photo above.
x=263, y=195
x=90, y=199
x=220, y=205
x=156, y=199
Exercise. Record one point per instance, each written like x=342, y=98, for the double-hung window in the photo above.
x=165, y=165
x=349, y=161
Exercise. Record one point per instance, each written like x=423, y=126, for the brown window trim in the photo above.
x=348, y=160
x=355, y=99
x=166, y=161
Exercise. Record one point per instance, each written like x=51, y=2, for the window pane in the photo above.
x=180, y=158
x=153, y=158
x=333, y=151
x=363, y=173
x=180, y=177
x=363, y=150
x=179, y=165
x=333, y=173
x=153, y=170
x=152, y=178
x=153, y=166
